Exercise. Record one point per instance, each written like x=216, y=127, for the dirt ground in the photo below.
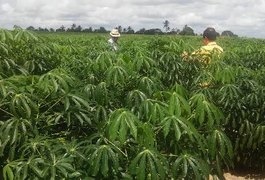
x=241, y=176
x=229, y=176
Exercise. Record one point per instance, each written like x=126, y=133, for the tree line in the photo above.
x=186, y=30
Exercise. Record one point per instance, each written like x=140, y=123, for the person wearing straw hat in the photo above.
x=113, y=41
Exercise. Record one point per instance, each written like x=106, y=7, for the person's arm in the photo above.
x=186, y=56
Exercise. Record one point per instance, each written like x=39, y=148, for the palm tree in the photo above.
x=166, y=25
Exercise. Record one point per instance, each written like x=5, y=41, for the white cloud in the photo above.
x=5, y=7
x=245, y=17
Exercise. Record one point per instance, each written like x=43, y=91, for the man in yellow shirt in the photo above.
x=210, y=47
x=209, y=37
x=206, y=53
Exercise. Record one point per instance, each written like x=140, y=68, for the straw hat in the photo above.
x=115, y=33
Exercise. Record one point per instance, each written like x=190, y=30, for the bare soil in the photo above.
x=244, y=175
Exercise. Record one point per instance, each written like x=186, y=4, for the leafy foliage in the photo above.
x=148, y=165
x=73, y=109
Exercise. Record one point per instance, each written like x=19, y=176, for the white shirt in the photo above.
x=113, y=44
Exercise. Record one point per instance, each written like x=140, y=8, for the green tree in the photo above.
x=61, y=29
x=16, y=27
x=30, y=28
x=88, y=29
x=100, y=30
x=119, y=28
x=166, y=25
x=187, y=31
x=228, y=33
x=130, y=30
x=78, y=28
x=174, y=31
x=140, y=31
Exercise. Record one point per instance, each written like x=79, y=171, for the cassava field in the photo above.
x=70, y=108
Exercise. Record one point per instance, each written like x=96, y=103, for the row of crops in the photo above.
x=70, y=108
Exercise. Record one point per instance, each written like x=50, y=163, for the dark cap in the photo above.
x=210, y=33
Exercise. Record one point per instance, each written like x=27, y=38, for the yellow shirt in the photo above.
x=204, y=55
x=212, y=46
x=205, y=52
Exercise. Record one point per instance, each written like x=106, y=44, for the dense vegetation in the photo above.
x=72, y=108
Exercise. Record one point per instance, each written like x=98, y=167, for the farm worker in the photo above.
x=113, y=41
x=210, y=47
x=206, y=53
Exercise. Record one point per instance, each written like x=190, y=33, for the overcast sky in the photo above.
x=243, y=17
